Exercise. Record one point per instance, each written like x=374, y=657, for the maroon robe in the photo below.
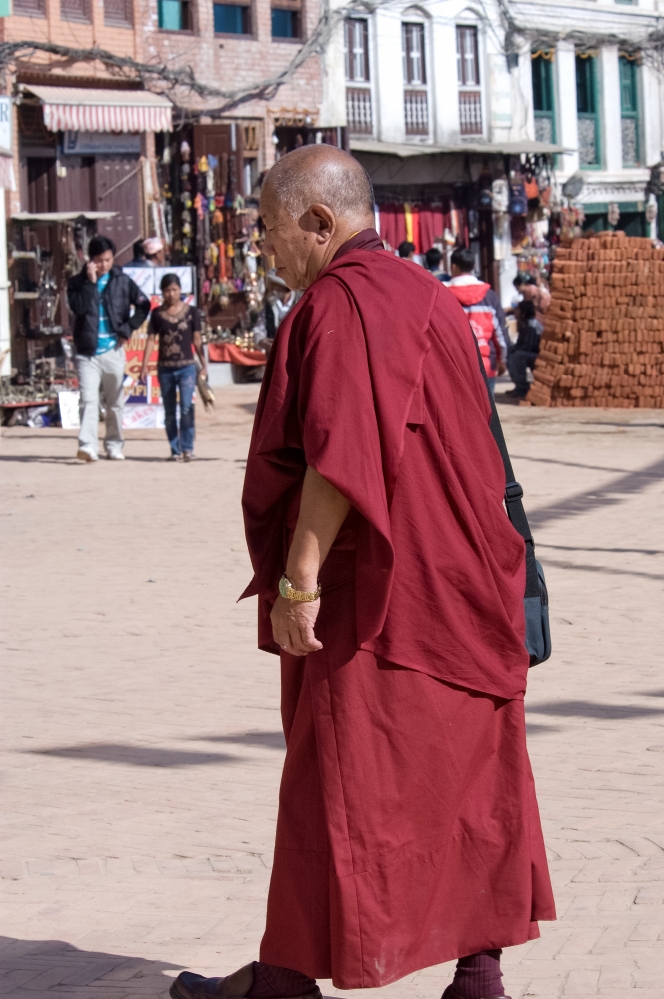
x=408, y=831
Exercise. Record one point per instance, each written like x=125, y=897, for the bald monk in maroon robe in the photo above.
x=390, y=582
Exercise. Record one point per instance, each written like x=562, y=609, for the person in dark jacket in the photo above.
x=101, y=298
x=525, y=350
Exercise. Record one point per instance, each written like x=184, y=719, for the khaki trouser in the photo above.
x=106, y=372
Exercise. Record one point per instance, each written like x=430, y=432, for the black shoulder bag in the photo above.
x=536, y=598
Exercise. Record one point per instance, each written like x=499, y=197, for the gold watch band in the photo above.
x=288, y=592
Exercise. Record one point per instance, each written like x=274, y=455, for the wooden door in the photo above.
x=41, y=184
x=117, y=189
x=42, y=195
x=76, y=190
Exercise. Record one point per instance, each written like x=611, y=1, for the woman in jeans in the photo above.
x=178, y=328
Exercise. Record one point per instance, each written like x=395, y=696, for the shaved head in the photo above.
x=313, y=200
x=323, y=175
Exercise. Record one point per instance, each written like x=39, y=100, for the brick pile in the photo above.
x=603, y=339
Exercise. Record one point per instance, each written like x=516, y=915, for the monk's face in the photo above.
x=301, y=247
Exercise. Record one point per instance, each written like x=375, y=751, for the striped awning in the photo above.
x=81, y=110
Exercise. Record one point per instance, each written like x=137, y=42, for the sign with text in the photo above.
x=6, y=130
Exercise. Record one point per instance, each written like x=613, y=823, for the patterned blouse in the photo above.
x=176, y=335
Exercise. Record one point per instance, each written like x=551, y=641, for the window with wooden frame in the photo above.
x=414, y=69
x=356, y=39
x=75, y=10
x=29, y=8
x=416, y=98
x=629, y=109
x=119, y=13
x=175, y=15
x=541, y=62
x=232, y=18
x=286, y=19
x=468, y=76
x=359, y=113
x=587, y=109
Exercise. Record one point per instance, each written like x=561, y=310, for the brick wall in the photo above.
x=218, y=60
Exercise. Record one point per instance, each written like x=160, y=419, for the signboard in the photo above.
x=140, y=397
x=500, y=92
x=69, y=409
x=136, y=392
x=148, y=280
x=137, y=417
x=98, y=143
x=6, y=130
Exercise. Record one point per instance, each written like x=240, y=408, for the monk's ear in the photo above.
x=324, y=222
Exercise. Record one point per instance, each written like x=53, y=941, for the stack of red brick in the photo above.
x=603, y=339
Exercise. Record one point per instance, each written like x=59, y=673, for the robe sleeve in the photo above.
x=341, y=439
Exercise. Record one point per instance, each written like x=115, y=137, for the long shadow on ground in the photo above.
x=35, y=968
x=137, y=756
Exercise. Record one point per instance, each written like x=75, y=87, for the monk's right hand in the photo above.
x=293, y=626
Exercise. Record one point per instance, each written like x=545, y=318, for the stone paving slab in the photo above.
x=141, y=749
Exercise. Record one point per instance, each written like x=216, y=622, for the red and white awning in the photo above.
x=80, y=110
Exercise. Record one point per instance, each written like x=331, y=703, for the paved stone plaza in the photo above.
x=141, y=742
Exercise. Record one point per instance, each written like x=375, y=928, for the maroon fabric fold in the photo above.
x=374, y=381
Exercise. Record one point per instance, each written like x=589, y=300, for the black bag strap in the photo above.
x=513, y=491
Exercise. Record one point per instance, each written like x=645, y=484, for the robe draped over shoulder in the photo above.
x=408, y=832
x=373, y=380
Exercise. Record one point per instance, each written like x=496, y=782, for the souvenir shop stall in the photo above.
x=206, y=178
x=502, y=206
x=529, y=196
x=44, y=250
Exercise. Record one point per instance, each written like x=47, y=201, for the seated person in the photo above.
x=524, y=353
x=533, y=291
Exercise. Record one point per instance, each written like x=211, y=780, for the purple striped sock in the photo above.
x=478, y=977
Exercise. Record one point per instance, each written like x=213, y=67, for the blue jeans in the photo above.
x=170, y=380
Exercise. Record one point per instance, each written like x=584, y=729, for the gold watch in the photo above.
x=288, y=592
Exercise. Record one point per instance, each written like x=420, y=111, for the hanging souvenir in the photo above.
x=518, y=202
x=185, y=150
x=203, y=164
x=214, y=253
x=217, y=217
x=198, y=205
x=213, y=162
x=166, y=155
x=500, y=195
x=185, y=170
x=166, y=191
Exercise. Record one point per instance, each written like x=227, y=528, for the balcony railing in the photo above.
x=470, y=112
x=358, y=110
x=416, y=110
